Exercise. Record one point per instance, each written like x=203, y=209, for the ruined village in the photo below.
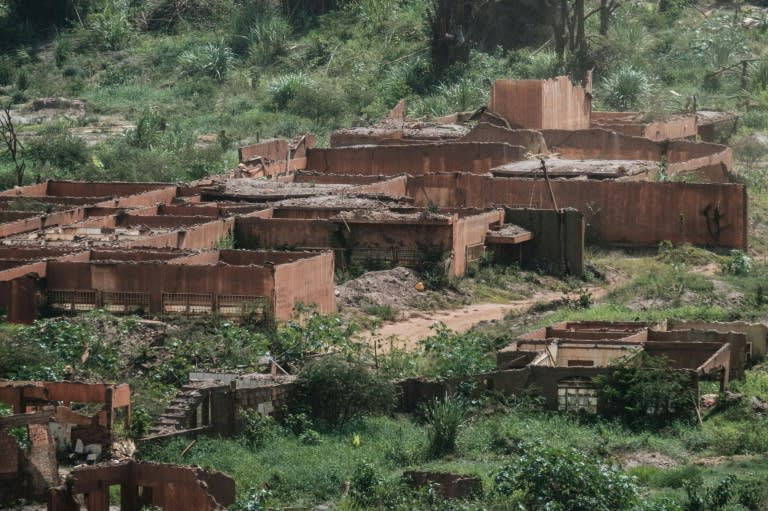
x=529, y=301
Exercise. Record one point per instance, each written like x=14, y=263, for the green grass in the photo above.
x=302, y=475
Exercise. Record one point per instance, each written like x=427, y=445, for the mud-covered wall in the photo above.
x=738, y=342
x=474, y=157
x=632, y=213
x=532, y=140
x=756, y=333
x=156, y=279
x=542, y=104
x=253, y=233
x=307, y=281
x=169, y=487
x=470, y=231
x=679, y=155
x=558, y=239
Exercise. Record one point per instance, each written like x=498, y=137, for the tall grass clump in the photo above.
x=444, y=418
x=626, y=89
x=213, y=59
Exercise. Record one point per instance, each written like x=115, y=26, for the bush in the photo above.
x=315, y=334
x=214, y=60
x=650, y=394
x=256, y=428
x=111, y=27
x=544, y=479
x=7, y=70
x=60, y=150
x=254, y=500
x=22, y=358
x=268, y=37
x=444, y=418
x=452, y=354
x=626, y=89
x=284, y=88
x=738, y=263
x=364, y=483
x=334, y=391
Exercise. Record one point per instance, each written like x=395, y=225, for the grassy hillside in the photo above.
x=190, y=84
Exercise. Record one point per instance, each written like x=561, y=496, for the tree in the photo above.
x=567, y=19
x=13, y=146
x=649, y=394
x=606, y=9
x=453, y=24
x=48, y=12
x=333, y=391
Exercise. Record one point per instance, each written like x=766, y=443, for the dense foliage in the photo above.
x=649, y=393
x=545, y=478
x=334, y=391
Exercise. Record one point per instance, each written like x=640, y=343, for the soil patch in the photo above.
x=645, y=459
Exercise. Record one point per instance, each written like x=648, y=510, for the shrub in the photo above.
x=444, y=418
x=7, y=70
x=322, y=103
x=254, y=500
x=626, y=89
x=60, y=150
x=112, y=28
x=315, y=334
x=383, y=312
x=214, y=59
x=256, y=428
x=23, y=359
x=712, y=498
x=286, y=87
x=649, y=394
x=565, y=480
x=452, y=354
x=334, y=391
x=364, y=483
x=148, y=130
x=738, y=263
x=268, y=37
x=141, y=421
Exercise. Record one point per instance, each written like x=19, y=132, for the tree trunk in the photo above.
x=451, y=24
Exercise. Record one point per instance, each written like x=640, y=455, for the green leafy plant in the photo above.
x=626, y=89
x=334, y=391
x=214, y=59
x=256, y=429
x=364, y=482
x=268, y=37
x=312, y=333
x=712, y=498
x=452, y=354
x=444, y=418
x=737, y=263
x=647, y=393
x=112, y=28
x=254, y=500
x=286, y=87
x=547, y=478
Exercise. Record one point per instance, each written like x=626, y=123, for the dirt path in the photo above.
x=416, y=325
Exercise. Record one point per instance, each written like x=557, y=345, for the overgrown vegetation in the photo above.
x=188, y=81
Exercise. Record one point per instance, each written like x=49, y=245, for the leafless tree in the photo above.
x=13, y=146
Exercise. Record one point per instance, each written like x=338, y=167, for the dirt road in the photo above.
x=416, y=325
